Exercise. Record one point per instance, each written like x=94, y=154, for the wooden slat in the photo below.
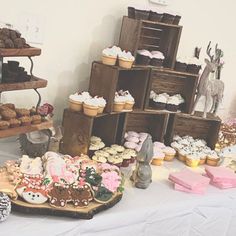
x=23, y=52
x=25, y=129
x=33, y=84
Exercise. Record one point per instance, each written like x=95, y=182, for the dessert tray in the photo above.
x=69, y=187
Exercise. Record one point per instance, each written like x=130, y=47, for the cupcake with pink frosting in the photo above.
x=158, y=158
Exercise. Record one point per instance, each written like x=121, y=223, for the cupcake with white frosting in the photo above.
x=109, y=55
x=126, y=59
x=91, y=107
x=101, y=104
x=119, y=103
x=212, y=158
x=157, y=58
x=129, y=100
x=194, y=65
x=181, y=64
x=76, y=100
x=143, y=57
x=173, y=103
x=161, y=101
x=192, y=160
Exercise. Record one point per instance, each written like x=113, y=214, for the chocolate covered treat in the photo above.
x=22, y=112
x=4, y=125
x=8, y=114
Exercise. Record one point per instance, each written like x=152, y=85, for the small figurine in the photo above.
x=210, y=88
x=142, y=175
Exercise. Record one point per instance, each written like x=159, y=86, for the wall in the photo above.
x=76, y=31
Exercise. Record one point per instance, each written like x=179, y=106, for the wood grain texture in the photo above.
x=77, y=132
x=22, y=52
x=149, y=122
x=33, y=84
x=195, y=126
x=25, y=129
x=68, y=211
x=103, y=82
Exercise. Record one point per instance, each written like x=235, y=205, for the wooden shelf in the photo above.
x=25, y=129
x=20, y=52
x=33, y=84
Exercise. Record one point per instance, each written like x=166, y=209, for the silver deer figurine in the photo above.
x=211, y=89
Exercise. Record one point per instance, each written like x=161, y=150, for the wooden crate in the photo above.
x=78, y=129
x=106, y=80
x=154, y=123
x=195, y=126
x=153, y=36
x=172, y=82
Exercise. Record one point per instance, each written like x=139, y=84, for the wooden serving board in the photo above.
x=45, y=209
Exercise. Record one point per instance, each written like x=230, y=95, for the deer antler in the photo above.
x=218, y=53
x=208, y=51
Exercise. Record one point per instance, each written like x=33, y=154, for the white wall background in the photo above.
x=76, y=31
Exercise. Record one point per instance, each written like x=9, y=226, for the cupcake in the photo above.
x=115, y=160
x=76, y=100
x=132, y=153
x=158, y=158
x=110, y=150
x=22, y=112
x=9, y=105
x=141, y=14
x=181, y=65
x=155, y=16
x=131, y=12
x=99, y=159
x=14, y=123
x=143, y=57
x=203, y=157
x=194, y=66
x=118, y=148
x=176, y=20
x=126, y=159
x=130, y=145
x=126, y=59
x=101, y=104
x=212, y=159
x=109, y=55
x=119, y=103
x=102, y=153
x=172, y=103
x=91, y=107
x=25, y=120
x=168, y=18
x=169, y=153
x=36, y=119
x=4, y=125
x=160, y=101
x=192, y=160
x=129, y=100
x=157, y=58
x=182, y=154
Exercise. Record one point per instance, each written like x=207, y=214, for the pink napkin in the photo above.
x=197, y=190
x=221, y=174
x=189, y=179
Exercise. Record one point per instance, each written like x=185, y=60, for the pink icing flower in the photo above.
x=111, y=180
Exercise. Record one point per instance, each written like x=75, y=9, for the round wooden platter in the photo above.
x=45, y=209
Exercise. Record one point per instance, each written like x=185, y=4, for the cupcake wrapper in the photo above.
x=168, y=18
x=179, y=66
x=191, y=68
x=141, y=14
x=142, y=60
x=154, y=16
x=171, y=107
x=157, y=62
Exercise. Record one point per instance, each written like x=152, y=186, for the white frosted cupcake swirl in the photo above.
x=157, y=55
x=112, y=52
x=119, y=99
x=126, y=56
x=80, y=97
x=161, y=98
x=92, y=102
x=144, y=52
x=100, y=101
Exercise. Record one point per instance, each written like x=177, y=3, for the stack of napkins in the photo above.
x=188, y=181
x=221, y=177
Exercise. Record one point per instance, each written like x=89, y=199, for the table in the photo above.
x=158, y=210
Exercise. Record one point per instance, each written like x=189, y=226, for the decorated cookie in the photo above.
x=35, y=195
x=59, y=195
x=102, y=195
x=81, y=195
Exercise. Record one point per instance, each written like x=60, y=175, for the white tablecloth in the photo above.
x=158, y=210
